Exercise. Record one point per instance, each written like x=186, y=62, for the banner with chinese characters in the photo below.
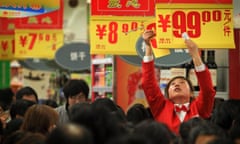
x=7, y=47
x=195, y=1
x=209, y=25
x=123, y=7
x=37, y=43
x=17, y=8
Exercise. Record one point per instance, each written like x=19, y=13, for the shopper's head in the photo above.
x=27, y=93
x=40, y=118
x=76, y=91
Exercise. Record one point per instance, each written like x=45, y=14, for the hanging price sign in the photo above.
x=120, y=35
x=7, y=48
x=209, y=25
x=37, y=43
x=115, y=35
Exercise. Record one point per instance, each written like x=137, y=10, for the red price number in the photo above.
x=190, y=22
x=32, y=38
x=111, y=30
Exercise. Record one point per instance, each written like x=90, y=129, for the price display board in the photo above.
x=120, y=35
x=37, y=43
x=209, y=25
x=115, y=35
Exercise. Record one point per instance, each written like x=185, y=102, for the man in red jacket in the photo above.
x=180, y=104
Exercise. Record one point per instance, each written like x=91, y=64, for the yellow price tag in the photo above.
x=209, y=25
x=37, y=43
x=119, y=35
x=7, y=48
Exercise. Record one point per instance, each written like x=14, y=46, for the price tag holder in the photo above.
x=209, y=25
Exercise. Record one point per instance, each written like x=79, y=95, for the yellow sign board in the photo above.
x=7, y=47
x=209, y=25
x=119, y=35
x=37, y=43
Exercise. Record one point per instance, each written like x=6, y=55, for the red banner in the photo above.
x=51, y=20
x=196, y=1
x=123, y=7
x=7, y=26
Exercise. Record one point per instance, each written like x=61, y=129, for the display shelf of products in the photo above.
x=102, y=76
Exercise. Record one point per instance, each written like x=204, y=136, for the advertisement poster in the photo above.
x=127, y=84
x=26, y=8
x=39, y=80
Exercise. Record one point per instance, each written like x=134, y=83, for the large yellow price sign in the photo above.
x=37, y=43
x=119, y=35
x=209, y=25
x=115, y=35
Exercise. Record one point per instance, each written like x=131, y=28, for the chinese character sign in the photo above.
x=211, y=26
x=196, y=1
x=16, y=8
x=123, y=7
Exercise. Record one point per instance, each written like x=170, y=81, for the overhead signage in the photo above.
x=123, y=7
x=26, y=8
x=195, y=1
x=7, y=47
x=74, y=56
x=37, y=43
x=119, y=35
x=209, y=25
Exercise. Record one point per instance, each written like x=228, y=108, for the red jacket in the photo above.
x=163, y=109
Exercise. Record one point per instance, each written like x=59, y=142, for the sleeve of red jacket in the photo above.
x=205, y=99
x=151, y=89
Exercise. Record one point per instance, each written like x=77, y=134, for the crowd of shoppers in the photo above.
x=104, y=122
x=179, y=117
